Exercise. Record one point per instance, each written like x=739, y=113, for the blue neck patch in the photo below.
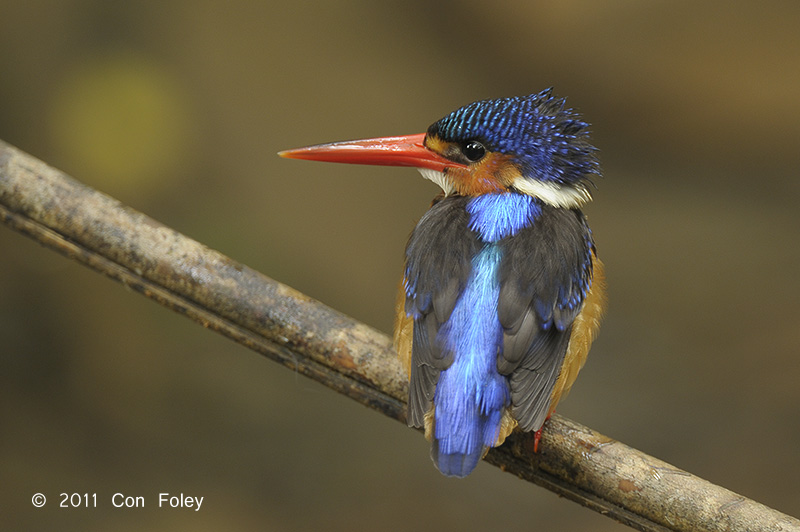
x=496, y=216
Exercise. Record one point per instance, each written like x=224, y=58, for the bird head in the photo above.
x=529, y=144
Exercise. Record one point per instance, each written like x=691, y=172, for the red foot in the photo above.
x=538, y=435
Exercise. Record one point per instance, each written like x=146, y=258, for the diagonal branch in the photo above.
x=350, y=357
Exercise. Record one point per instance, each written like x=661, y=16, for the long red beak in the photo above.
x=408, y=150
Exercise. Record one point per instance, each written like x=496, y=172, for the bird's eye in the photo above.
x=474, y=150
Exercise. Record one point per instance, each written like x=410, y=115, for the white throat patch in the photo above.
x=440, y=178
x=555, y=195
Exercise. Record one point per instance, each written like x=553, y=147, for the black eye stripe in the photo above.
x=473, y=150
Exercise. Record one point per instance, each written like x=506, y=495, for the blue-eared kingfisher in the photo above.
x=502, y=292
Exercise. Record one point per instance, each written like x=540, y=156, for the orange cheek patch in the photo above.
x=496, y=168
x=494, y=173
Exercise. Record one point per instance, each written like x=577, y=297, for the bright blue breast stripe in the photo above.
x=471, y=395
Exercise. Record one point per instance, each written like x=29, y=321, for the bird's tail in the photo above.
x=456, y=464
x=466, y=425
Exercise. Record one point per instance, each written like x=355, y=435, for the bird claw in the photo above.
x=538, y=435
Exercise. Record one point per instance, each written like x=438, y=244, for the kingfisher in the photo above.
x=502, y=292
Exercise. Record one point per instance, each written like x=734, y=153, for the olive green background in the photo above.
x=177, y=108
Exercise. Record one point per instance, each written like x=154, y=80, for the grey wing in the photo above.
x=438, y=262
x=545, y=272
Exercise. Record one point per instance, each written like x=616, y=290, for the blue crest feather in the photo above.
x=546, y=140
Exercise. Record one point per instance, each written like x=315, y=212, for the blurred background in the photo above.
x=177, y=108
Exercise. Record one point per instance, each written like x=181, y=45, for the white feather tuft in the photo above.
x=440, y=178
x=552, y=193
